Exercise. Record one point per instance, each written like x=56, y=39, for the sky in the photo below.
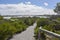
x=28, y=7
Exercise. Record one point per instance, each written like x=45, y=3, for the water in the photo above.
x=26, y=35
x=6, y=17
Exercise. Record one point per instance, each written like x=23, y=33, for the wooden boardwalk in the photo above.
x=26, y=35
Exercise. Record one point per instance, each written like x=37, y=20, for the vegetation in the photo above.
x=47, y=24
x=51, y=24
x=57, y=8
x=41, y=22
x=9, y=27
x=13, y=26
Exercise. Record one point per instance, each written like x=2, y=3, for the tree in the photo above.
x=57, y=9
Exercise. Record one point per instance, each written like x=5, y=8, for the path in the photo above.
x=26, y=35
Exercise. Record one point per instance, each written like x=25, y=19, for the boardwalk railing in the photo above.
x=49, y=33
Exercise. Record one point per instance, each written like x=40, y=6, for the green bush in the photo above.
x=36, y=30
x=29, y=21
x=14, y=25
x=6, y=30
x=42, y=22
x=1, y=17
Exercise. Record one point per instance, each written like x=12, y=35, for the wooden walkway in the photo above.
x=26, y=35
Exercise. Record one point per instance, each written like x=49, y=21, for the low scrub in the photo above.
x=47, y=24
x=13, y=26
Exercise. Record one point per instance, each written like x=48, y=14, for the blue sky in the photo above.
x=51, y=3
x=27, y=7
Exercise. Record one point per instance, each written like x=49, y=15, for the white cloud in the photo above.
x=45, y=3
x=27, y=2
x=23, y=9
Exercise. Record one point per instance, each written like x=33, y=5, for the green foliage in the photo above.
x=48, y=25
x=57, y=8
x=14, y=25
x=6, y=30
x=42, y=22
x=29, y=21
x=36, y=31
x=42, y=36
x=1, y=17
x=58, y=19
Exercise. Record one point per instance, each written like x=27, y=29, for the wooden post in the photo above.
x=39, y=34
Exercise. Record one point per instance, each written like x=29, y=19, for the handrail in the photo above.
x=49, y=32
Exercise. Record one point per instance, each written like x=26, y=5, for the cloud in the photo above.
x=23, y=9
x=27, y=2
x=45, y=3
